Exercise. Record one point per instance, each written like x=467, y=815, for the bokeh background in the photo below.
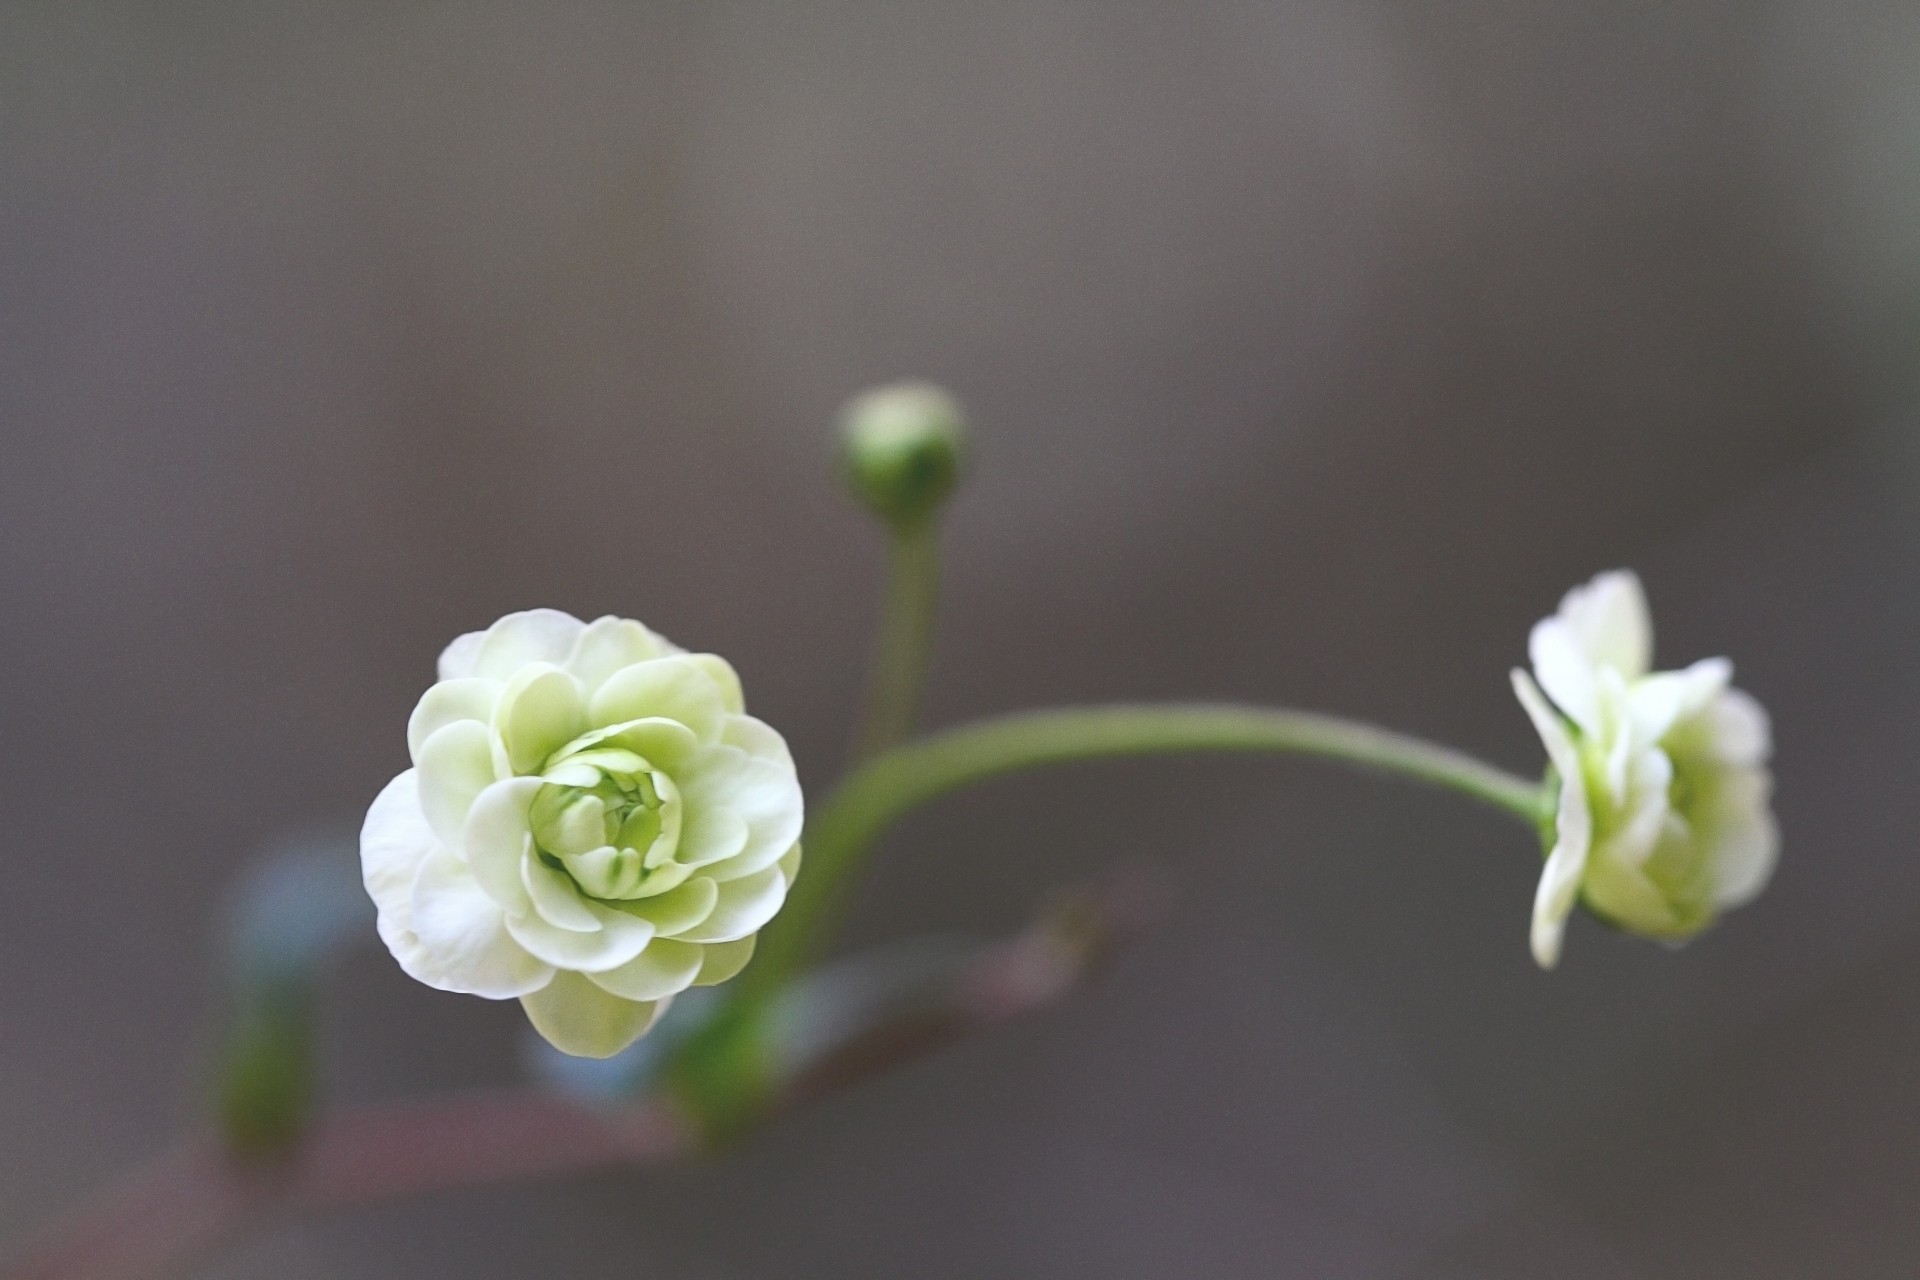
x=1313, y=348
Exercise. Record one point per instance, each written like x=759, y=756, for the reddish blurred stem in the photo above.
x=201, y=1196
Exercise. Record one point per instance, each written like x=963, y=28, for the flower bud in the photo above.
x=902, y=446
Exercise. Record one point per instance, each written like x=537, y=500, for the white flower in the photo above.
x=1663, y=818
x=592, y=824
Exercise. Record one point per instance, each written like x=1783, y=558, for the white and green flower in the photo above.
x=592, y=824
x=1663, y=817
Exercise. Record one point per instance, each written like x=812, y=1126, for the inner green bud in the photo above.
x=609, y=819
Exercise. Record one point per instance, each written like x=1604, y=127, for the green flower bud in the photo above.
x=902, y=446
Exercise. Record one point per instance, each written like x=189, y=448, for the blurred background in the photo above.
x=1313, y=349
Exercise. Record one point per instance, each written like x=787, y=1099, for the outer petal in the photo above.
x=1665, y=698
x=1573, y=828
x=723, y=960
x=1736, y=729
x=538, y=635
x=1564, y=670
x=495, y=840
x=459, y=659
x=676, y=688
x=665, y=968
x=742, y=908
x=464, y=944
x=579, y=1018
x=677, y=910
x=446, y=702
x=394, y=842
x=607, y=645
x=1609, y=619
x=539, y=711
x=456, y=765
x=619, y=939
x=725, y=678
x=1747, y=839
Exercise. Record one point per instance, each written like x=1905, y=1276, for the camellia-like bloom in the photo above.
x=1663, y=818
x=592, y=824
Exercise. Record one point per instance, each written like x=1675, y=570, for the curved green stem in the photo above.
x=890, y=785
x=906, y=637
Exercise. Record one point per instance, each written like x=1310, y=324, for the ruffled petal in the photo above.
x=678, y=910
x=664, y=969
x=608, y=644
x=496, y=841
x=743, y=906
x=540, y=711
x=1746, y=839
x=723, y=960
x=724, y=677
x=555, y=899
x=674, y=688
x=1665, y=698
x=464, y=944
x=538, y=635
x=394, y=841
x=579, y=1018
x=1565, y=672
x=619, y=939
x=455, y=766
x=1609, y=619
x=446, y=702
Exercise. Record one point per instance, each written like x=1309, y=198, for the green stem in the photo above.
x=892, y=784
x=906, y=636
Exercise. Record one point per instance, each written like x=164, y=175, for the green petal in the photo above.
x=579, y=1018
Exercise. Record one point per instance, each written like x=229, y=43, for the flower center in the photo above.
x=609, y=819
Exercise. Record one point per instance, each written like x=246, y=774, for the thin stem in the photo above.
x=891, y=785
x=906, y=636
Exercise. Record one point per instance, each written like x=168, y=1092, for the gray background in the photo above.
x=1313, y=350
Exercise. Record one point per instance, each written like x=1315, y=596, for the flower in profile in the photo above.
x=1663, y=817
x=592, y=824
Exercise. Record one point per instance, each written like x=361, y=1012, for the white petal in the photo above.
x=540, y=711
x=664, y=969
x=763, y=792
x=1553, y=732
x=607, y=645
x=723, y=960
x=1665, y=698
x=446, y=702
x=710, y=835
x=1637, y=827
x=555, y=899
x=1565, y=672
x=756, y=738
x=743, y=907
x=495, y=840
x=679, y=909
x=393, y=843
x=1737, y=729
x=1553, y=900
x=620, y=938
x=538, y=635
x=579, y=1018
x=1747, y=839
x=1610, y=621
x=464, y=944
x=459, y=659
x=455, y=766
x=675, y=688
x=721, y=672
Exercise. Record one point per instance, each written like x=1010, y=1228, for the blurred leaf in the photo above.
x=290, y=916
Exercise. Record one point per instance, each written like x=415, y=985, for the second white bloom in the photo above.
x=592, y=824
x=1663, y=816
